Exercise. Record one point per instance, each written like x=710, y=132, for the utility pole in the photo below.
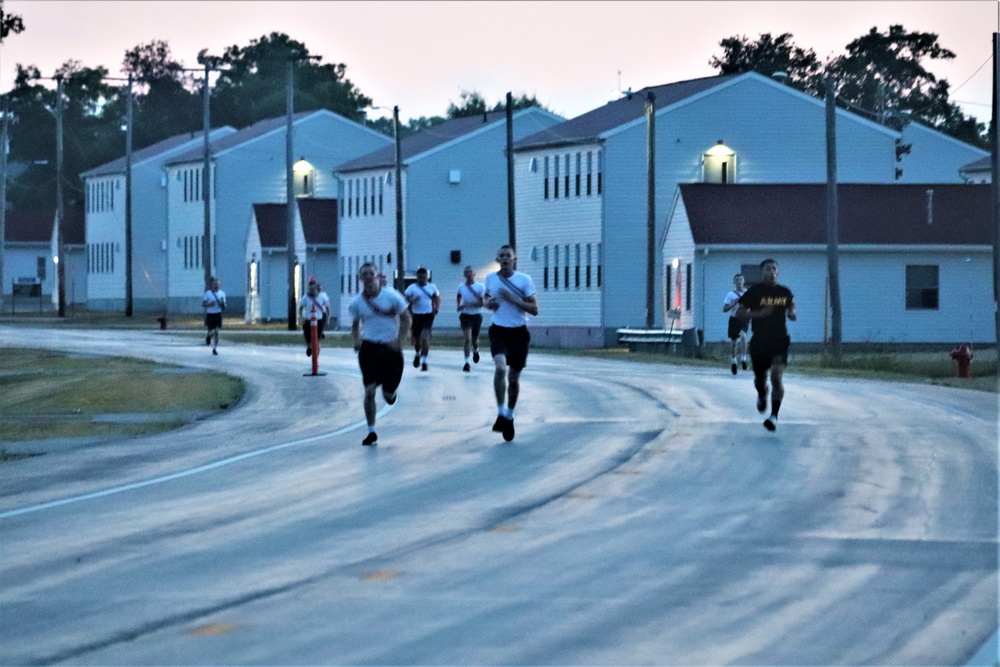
x=511, y=225
x=206, y=183
x=3, y=191
x=400, y=266
x=650, y=206
x=128, y=200
x=60, y=206
x=290, y=195
x=832, y=228
x=995, y=166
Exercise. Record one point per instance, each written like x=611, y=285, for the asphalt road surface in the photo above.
x=642, y=515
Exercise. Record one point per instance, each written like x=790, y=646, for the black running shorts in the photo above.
x=213, y=320
x=765, y=353
x=474, y=322
x=512, y=342
x=421, y=322
x=380, y=365
x=737, y=326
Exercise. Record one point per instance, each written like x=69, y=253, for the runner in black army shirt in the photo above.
x=767, y=305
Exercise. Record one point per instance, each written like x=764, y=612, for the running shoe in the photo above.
x=499, y=424
x=370, y=439
x=467, y=368
x=771, y=423
x=416, y=361
x=475, y=356
x=389, y=398
x=214, y=351
x=309, y=351
x=423, y=367
x=734, y=368
x=508, y=430
x=744, y=364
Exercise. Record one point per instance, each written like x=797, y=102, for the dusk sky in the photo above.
x=422, y=55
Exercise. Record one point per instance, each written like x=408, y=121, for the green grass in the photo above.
x=50, y=394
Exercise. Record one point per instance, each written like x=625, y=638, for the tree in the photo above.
x=473, y=104
x=167, y=99
x=767, y=56
x=9, y=23
x=253, y=85
x=880, y=75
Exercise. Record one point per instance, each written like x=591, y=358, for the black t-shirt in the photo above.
x=760, y=296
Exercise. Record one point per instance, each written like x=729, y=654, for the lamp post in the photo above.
x=60, y=207
x=290, y=187
x=398, y=283
x=3, y=191
x=128, y=201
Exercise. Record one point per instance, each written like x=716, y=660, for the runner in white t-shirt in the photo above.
x=736, y=329
x=511, y=295
x=424, y=299
x=469, y=301
x=214, y=302
x=380, y=322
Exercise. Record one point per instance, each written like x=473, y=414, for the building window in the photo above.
x=364, y=197
x=687, y=287
x=357, y=197
x=555, y=178
x=668, y=286
x=381, y=187
x=546, y=178
x=545, y=269
x=921, y=287
x=599, y=261
x=40, y=263
x=576, y=267
x=590, y=169
x=600, y=171
x=350, y=199
x=579, y=160
x=566, y=175
x=555, y=267
x=303, y=178
x=588, y=267
x=566, y=268
x=373, y=194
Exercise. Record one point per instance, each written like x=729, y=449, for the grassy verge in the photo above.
x=48, y=394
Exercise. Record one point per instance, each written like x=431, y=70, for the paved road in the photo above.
x=641, y=516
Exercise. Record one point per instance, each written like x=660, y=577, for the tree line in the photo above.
x=881, y=74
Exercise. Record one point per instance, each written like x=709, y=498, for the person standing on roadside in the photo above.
x=767, y=305
x=512, y=297
x=469, y=302
x=737, y=329
x=313, y=300
x=214, y=302
x=380, y=322
x=424, y=299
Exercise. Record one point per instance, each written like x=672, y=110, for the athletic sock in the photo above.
x=734, y=361
x=501, y=411
x=510, y=413
x=468, y=359
x=423, y=358
x=371, y=428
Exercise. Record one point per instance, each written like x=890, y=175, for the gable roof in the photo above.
x=38, y=226
x=588, y=127
x=29, y=226
x=868, y=214
x=272, y=224
x=318, y=218
x=153, y=151
x=982, y=164
x=258, y=130
x=424, y=141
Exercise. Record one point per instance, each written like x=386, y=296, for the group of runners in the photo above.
x=382, y=319
x=381, y=322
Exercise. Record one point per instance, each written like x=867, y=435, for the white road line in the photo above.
x=186, y=473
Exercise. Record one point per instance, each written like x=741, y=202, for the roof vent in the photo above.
x=780, y=77
x=930, y=206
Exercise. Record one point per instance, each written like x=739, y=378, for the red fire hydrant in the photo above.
x=963, y=359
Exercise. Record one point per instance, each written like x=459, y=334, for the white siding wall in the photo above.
x=778, y=137
x=678, y=247
x=553, y=223
x=186, y=227
x=935, y=157
x=873, y=294
x=365, y=237
x=105, y=235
